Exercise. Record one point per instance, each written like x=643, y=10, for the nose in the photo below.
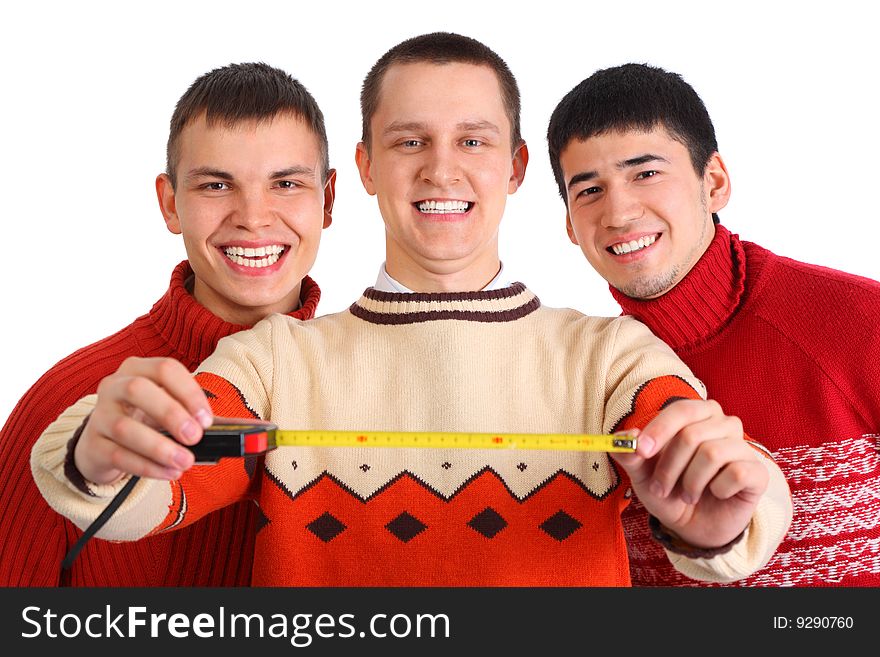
x=621, y=207
x=441, y=166
x=253, y=210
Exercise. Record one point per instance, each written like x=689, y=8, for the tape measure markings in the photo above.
x=439, y=440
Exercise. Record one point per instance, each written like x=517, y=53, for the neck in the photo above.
x=230, y=311
x=444, y=276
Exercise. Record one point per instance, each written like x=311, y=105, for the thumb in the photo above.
x=636, y=463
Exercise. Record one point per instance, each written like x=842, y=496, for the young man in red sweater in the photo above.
x=635, y=156
x=249, y=188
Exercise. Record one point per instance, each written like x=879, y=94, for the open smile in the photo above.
x=633, y=246
x=255, y=257
x=444, y=207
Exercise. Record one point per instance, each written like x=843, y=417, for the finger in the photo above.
x=147, y=443
x=747, y=479
x=678, y=456
x=633, y=462
x=669, y=421
x=121, y=396
x=177, y=380
x=106, y=435
x=133, y=463
x=105, y=461
x=709, y=459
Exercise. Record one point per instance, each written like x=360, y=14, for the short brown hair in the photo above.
x=242, y=92
x=441, y=48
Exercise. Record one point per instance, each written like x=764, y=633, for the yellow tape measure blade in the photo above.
x=446, y=440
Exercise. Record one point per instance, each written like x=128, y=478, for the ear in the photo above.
x=570, y=230
x=362, y=159
x=717, y=183
x=520, y=162
x=329, y=197
x=168, y=203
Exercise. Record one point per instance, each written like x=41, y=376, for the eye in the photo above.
x=589, y=191
x=216, y=186
x=411, y=143
x=287, y=184
x=472, y=143
x=646, y=174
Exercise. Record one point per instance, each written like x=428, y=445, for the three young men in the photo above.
x=444, y=344
x=249, y=188
x=790, y=348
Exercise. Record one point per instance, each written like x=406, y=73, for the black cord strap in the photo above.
x=98, y=522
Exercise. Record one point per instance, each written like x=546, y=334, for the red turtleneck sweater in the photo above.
x=34, y=539
x=793, y=350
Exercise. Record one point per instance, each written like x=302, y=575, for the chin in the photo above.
x=644, y=288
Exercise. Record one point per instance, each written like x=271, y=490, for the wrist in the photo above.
x=677, y=545
x=74, y=469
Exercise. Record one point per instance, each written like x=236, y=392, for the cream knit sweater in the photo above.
x=493, y=361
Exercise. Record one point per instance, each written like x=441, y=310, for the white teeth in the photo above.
x=262, y=256
x=443, y=207
x=634, y=245
x=249, y=252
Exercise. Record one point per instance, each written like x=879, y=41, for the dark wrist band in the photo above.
x=676, y=545
x=74, y=476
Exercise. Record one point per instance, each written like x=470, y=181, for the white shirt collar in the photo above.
x=384, y=282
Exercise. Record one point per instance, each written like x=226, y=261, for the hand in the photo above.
x=120, y=437
x=696, y=474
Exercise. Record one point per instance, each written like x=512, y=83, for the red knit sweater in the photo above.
x=793, y=350
x=34, y=539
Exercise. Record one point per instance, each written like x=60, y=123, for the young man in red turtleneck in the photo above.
x=634, y=154
x=249, y=188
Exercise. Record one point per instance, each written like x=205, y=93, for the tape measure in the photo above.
x=224, y=440
x=247, y=439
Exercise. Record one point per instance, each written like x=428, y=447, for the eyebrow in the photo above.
x=208, y=172
x=298, y=170
x=478, y=125
x=641, y=159
x=418, y=126
x=623, y=164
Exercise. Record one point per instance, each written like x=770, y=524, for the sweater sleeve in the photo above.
x=644, y=376
x=141, y=511
x=152, y=507
x=155, y=505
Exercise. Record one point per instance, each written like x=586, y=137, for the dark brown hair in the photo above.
x=242, y=92
x=632, y=97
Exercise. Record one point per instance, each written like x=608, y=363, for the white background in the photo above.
x=88, y=89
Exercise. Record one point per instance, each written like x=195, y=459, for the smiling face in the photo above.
x=638, y=210
x=441, y=166
x=250, y=204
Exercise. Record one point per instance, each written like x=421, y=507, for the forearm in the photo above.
x=82, y=501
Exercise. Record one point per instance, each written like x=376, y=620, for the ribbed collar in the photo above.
x=503, y=305
x=193, y=330
x=702, y=303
